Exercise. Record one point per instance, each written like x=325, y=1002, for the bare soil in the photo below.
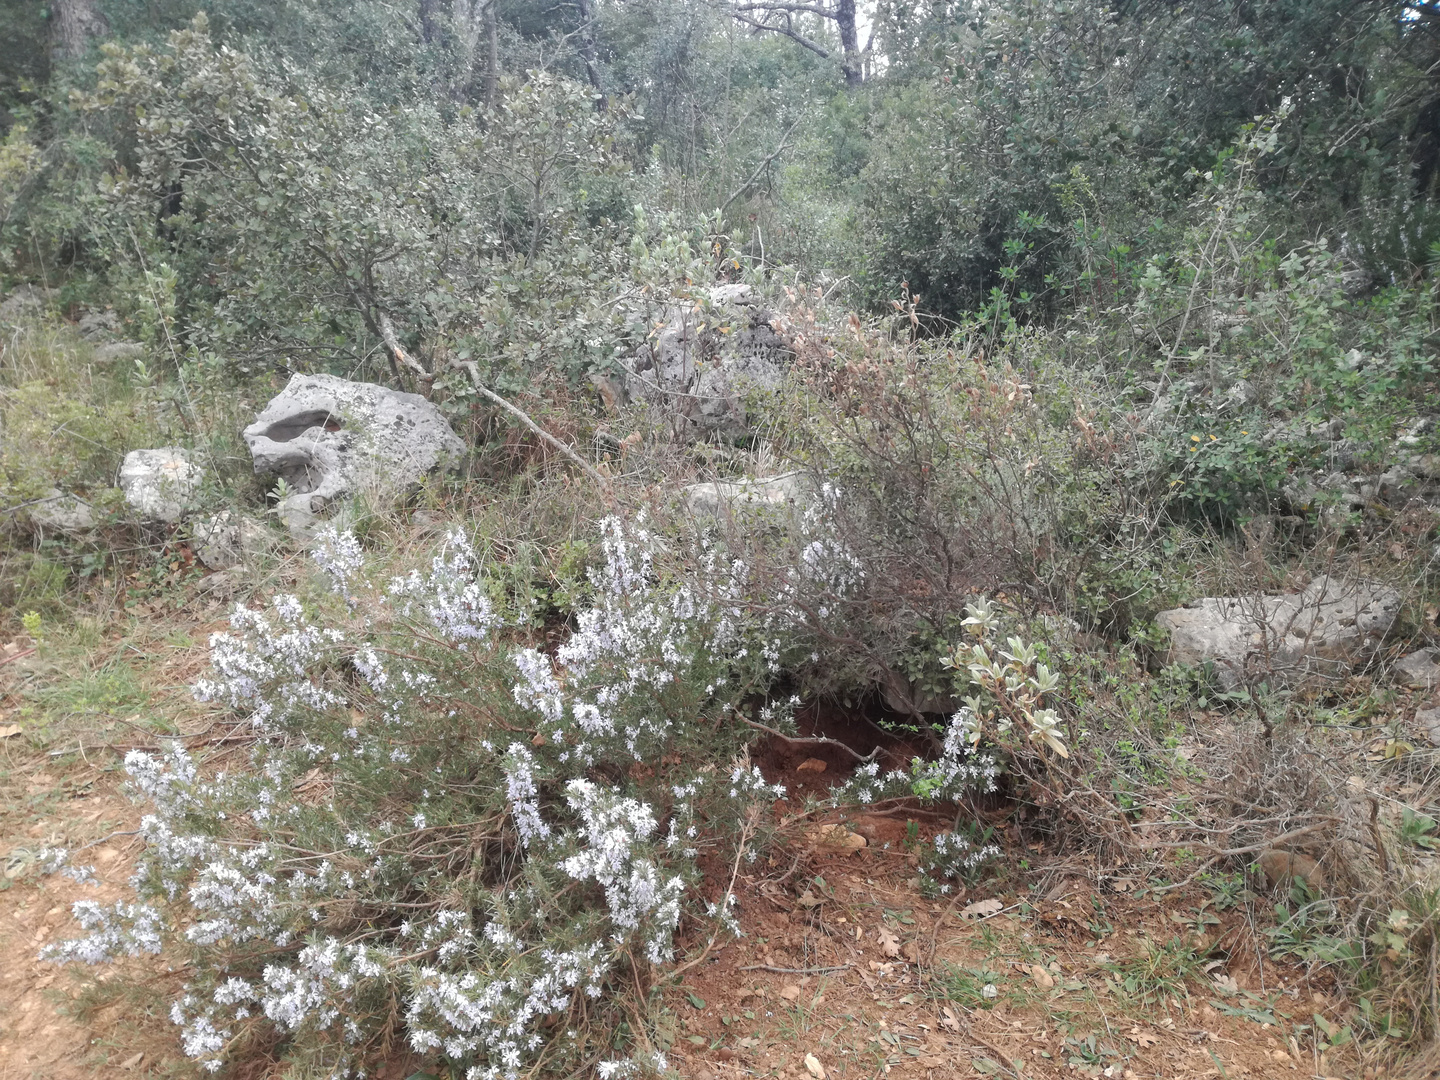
x=844, y=970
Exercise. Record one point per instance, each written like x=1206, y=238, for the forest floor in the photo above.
x=1058, y=967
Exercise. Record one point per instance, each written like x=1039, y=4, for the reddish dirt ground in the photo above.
x=844, y=970
x=873, y=980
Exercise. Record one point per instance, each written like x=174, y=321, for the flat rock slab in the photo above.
x=161, y=484
x=1419, y=671
x=62, y=513
x=1429, y=722
x=229, y=539
x=720, y=497
x=1318, y=634
x=331, y=438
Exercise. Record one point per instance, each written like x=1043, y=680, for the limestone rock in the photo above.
x=62, y=513
x=1322, y=632
x=218, y=587
x=119, y=352
x=1429, y=722
x=228, y=540
x=706, y=359
x=25, y=302
x=98, y=325
x=723, y=497
x=161, y=484
x=330, y=438
x=1419, y=670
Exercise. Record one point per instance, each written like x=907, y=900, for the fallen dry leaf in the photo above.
x=1142, y=1039
x=1043, y=979
x=808, y=899
x=948, y=1020
x=813, y=1067
x=981, y=908
x=813, y=764
x=889, y=943
x=790, y=992
x=1226, y=982
x=133, y=1060
x=9, y=730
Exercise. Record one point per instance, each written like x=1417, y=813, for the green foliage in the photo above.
x=303, y=222
x=1418, y=829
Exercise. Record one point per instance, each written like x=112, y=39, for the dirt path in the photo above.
x=40, y=1036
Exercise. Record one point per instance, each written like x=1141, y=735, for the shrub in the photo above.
x=442, y=833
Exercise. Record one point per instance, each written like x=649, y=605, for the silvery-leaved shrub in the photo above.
x=445, y=835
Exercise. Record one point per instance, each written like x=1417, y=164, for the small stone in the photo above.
x=161, y=484
x=219, y=586
x=26, y=302
x=330, y=439
x=704, y=361
x=1280, y=867
x=1302, y=638
x=790, y=992
x=98, y=325
x=838, y=837
x=723, y=498
x=1418, y=670
x=62, y=513
x=1429, y=722
x=119, y=352
x=229, y=539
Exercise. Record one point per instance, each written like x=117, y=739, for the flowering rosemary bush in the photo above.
x=955, y=856
x=443, y=835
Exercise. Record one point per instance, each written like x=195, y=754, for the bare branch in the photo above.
x=470, y=368
x=787, y=30
x=399, y=357
x=760, y=169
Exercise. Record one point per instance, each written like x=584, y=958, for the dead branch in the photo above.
x=472, y=369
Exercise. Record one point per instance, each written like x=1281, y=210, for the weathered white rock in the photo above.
x=707, y=359
x=218, y=587
x=1429, y=722
x=330, y=438
x=62, y=513
x=229, y=539
x=721, y=497
x=98, y=324
x=118, y=352
x=1419, y=670
x=161, y=484
x=25, y=302
x=1322, y=632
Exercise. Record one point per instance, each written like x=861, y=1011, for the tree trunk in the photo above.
x=849, y=42
x=429, y=22
x=74, y=23
x=492, y=54
x=587, y=49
